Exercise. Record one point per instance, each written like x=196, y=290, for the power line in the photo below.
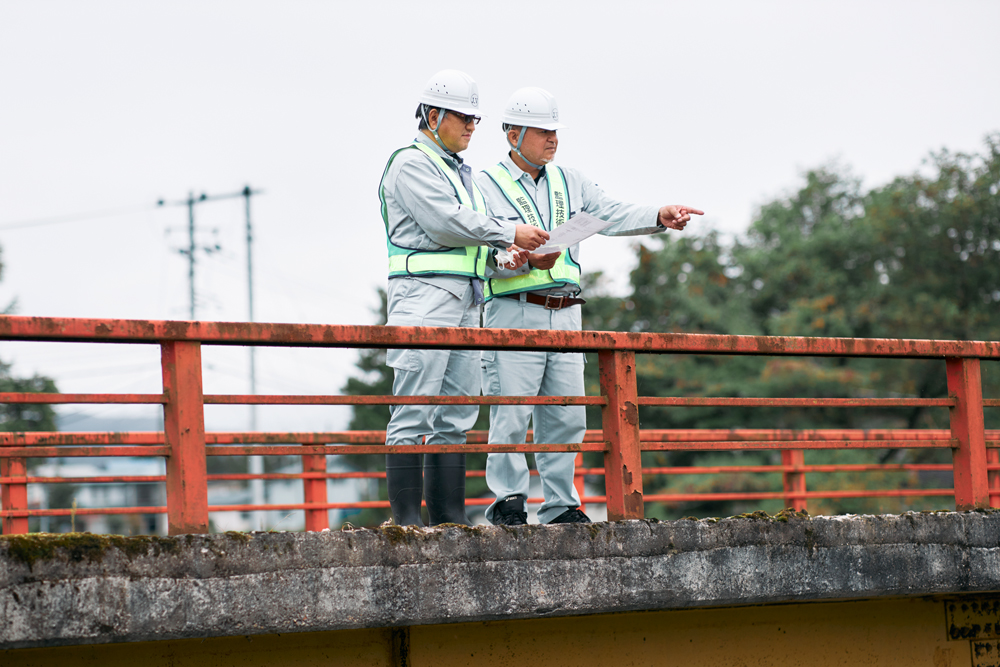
x=192, y=248
x=76, y=217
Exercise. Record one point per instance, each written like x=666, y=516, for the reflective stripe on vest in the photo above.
x=565, y=271
x=468, y=261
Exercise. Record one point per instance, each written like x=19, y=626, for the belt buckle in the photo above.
x=548, y=306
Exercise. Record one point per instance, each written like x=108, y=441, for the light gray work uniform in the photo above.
x=424, y=214
x=511, y=373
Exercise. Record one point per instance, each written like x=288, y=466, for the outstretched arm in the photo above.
x=676, y=216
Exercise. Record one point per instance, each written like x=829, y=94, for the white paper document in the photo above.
x=581, y=226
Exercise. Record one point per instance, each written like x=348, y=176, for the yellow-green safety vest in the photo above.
x=565, y=271
x=467, y=261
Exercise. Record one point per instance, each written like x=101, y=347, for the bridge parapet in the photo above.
x=87, y=589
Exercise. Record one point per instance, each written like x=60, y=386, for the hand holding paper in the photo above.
x=581, y=226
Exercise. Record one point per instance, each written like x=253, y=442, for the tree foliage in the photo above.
x=22, y=416
x=916, y=258
x=26, y=416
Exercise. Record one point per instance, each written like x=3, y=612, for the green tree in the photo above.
x=916, y=258
x=27, y=416
x=24, y=416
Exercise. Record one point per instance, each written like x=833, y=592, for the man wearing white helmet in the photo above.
x=439, y=240
x=543, y=294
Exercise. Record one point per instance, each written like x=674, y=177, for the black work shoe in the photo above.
x=510, y=512
x=573, y=515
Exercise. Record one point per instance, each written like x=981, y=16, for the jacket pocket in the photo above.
x=403, y=360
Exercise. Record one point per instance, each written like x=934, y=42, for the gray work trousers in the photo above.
x=510, y=373
x=431, y=372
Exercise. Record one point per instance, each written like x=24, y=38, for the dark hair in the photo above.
x=419, y=115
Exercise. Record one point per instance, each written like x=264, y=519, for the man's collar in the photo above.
x=516, y=172
x=447, y=155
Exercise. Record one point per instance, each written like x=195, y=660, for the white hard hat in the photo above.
x=452, y=90
x=532, y=107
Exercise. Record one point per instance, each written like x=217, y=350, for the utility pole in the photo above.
x=255, y=464
x=247, y=193
x=189, y=252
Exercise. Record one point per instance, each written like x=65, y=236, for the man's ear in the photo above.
x=432, y=119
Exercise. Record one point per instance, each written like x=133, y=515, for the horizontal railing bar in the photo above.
x=54, y=452
x=14, y=327
x=32, y=451
x=794, y=444
x=746, y=435
x=59, y=438
x=382, y=504
x=843, y=467
x=122, y=479
x=54, y=438
x=680, y=401
x=41, y=398
x=83, y=511
x=255, y=399
x=991, y=402
x=363, y=504
x=770, y=495
x=335, y=450
x=378, y=474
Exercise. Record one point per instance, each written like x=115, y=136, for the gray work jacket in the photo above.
x=424, y=212
x=584, y=195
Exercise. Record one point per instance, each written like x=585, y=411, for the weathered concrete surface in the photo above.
x=89, y=589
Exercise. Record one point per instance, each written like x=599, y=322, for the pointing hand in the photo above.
x=677, y=216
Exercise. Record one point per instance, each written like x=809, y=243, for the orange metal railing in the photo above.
x=185, y=445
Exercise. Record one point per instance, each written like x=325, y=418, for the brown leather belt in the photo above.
x=550, y=302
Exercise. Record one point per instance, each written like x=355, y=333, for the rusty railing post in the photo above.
x=794, y=481
x=314, y=492
x=14, y=495
x=993, y=459
x=184, y=433
x=969, y=458
x=578, y=480
x=620, y=420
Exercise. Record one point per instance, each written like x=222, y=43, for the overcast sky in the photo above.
x=108, y=107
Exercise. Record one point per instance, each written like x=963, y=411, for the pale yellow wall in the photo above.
x=886, y=632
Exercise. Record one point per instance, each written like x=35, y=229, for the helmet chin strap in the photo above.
x=517, y=149
x=427, y=122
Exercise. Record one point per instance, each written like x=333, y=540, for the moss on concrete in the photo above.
x=78, y=547
x=783, y=516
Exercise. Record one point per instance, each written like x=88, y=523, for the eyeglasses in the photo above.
x=464, y=119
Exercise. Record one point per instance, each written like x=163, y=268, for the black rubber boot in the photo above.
x=444, y=488
x=404, y=478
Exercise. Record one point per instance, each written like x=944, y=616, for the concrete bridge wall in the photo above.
x=484, y=595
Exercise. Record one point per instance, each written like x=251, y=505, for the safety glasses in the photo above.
x=464, y=119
